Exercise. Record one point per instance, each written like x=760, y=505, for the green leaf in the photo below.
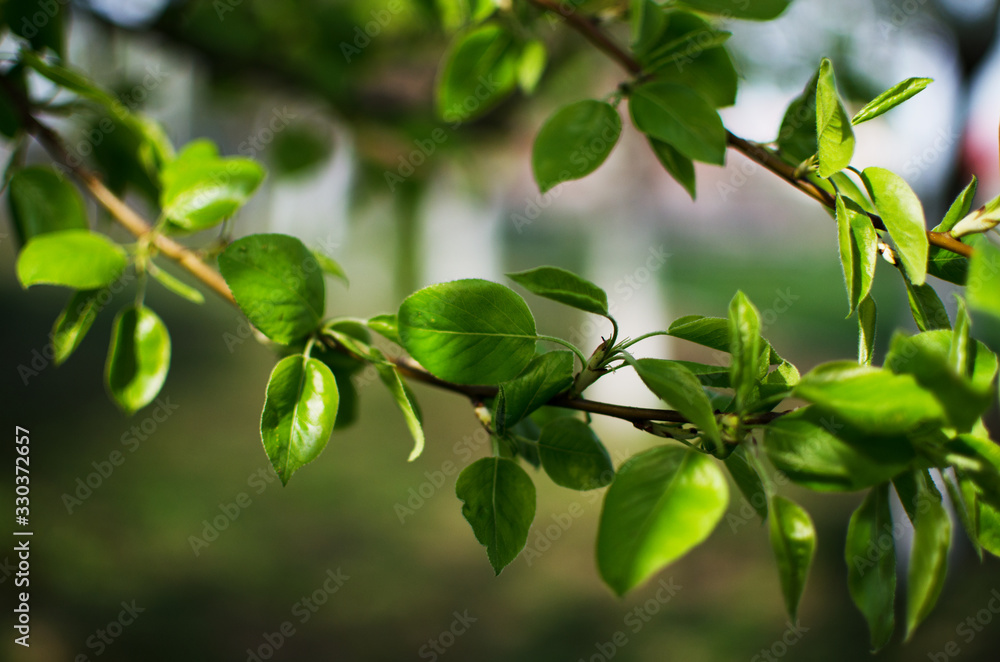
x=573, y=456
x=928, y=311
x=928, y=563
x=138, y=358
x=680, y=388
x=563, y=286
x=711, y=332
x=680, y=117
x=979, y=460
x=871, y=564
x=663, y=502
x=41, y=25
x=833, y=126
x=716, y=376
x=984, y=519
x=745, y=344
x=648, y=21
x=680, y=167
x=574, y=142
x=757, y=10
x=867, y=317
x=689, y=52
x=945, y=264
x=331, y=267
x=277, y=284
x=961, y=347
x=872, y=399
x=80, y=259
x=43, y=201
x=926, y=356
x=200, y=189
x=959, y=208
x=797, y=136
x=175, y=285
x=903, y=216
x=747, y=480
x=405, y=400
x=891, y=98
x=966, y=510
x=793, y=539
x=858, y=251
x=299, y=413
x=499, y=502
x=386, y=325
x=468, y=331
x=480, y=69
x=983, y=286
x=73, y=323
x=544, y=378
x=531, y=65
x=825, y=453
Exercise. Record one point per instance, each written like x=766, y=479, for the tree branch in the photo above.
x=128, y=218
x=753, y=151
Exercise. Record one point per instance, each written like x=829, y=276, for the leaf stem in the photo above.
x=567, y=344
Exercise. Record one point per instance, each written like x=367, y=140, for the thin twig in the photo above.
x=127, y=217
x=753, y=151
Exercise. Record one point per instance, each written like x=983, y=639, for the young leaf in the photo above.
x=891, y=98
x=797, y=139
x=928, y=311
x=903, y=216
x=480, y=69
x=824, y=453
x=680, y=117
x=574, y=142
x=563, y=286
x=833, y=126
x=680, y=167
x=747, y=480
x=200, y=189
x=928, y=563
x=73, y=323
x=299, y=413
x=964, y=398
x=531, y=65
x=277, y=284
x=867, y=316
x=757, y=10
x=959, y=207
x=404, y=400
x=80, y=259
x=468, y=331
x=680, y=388
x=43, y=201
x=873, y=399
x=573, y=456
x=966, y=512
x=745, y=344
x=331, y=267
x=647, y=20
x=983, y=518
x=386, y=325
x=544, y=378
x=858, y=251
x=983, y=285
x=175, y=285
x=663, y=502
x=711, y=332
x=961, y=347
x=138, y=358
x=793, y=539
x=499, y=502
x=690, y=52
x=872, y=581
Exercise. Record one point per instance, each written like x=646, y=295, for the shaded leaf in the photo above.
x=870, y=554
x=573, y=456
x=793, y=539
x=138, y=358
x=563, y=286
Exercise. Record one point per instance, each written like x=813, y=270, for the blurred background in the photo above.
x=365, y=556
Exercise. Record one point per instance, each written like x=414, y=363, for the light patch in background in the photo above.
x=130, y=13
